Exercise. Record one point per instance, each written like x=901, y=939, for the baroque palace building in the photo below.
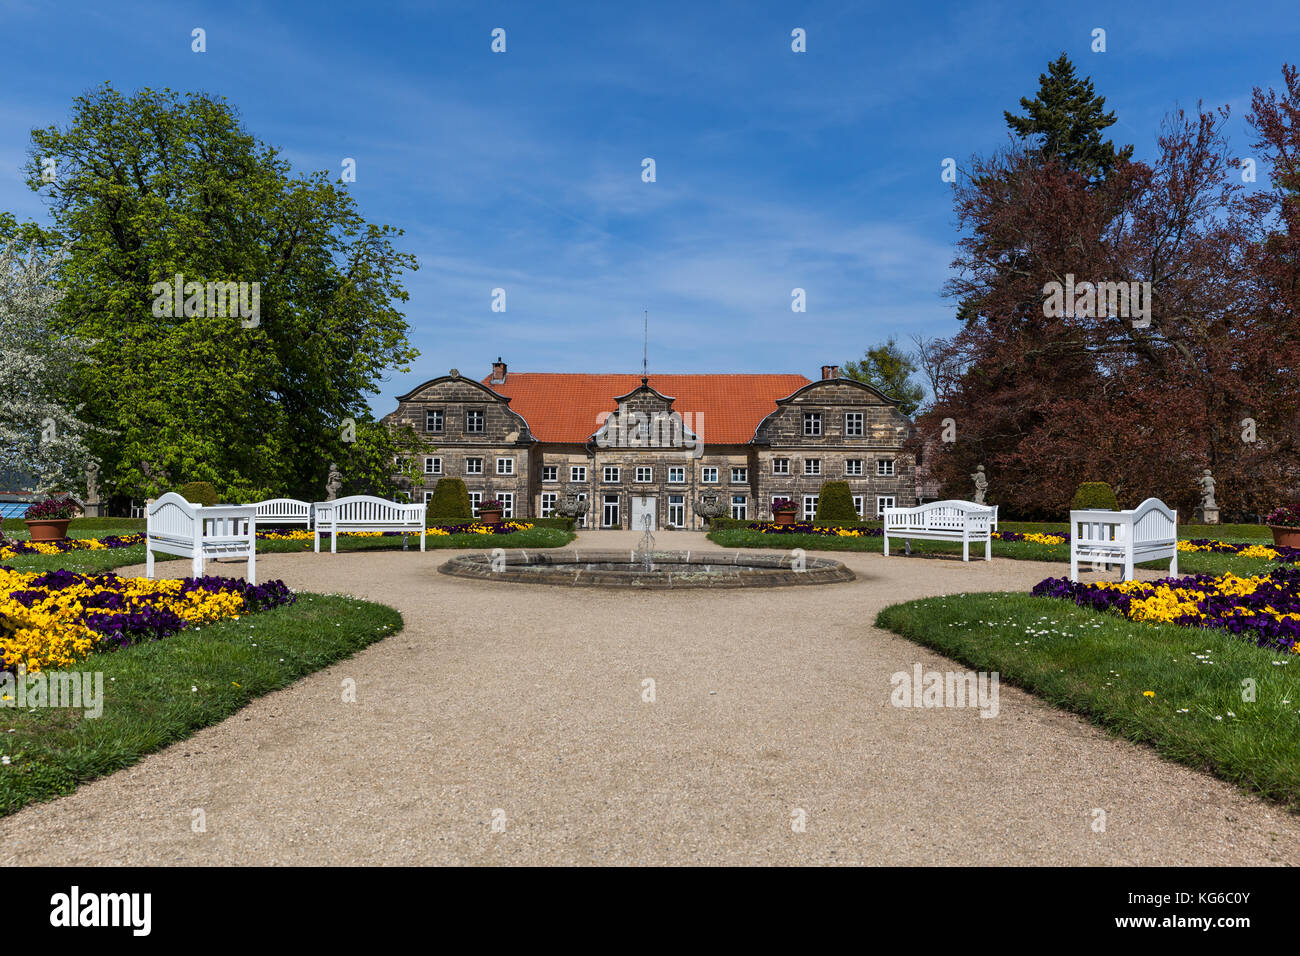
x=631, y=445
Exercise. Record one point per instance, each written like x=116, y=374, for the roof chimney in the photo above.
x=498, y=372
x=830, y=371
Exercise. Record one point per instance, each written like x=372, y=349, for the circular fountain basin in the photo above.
x=668, y=569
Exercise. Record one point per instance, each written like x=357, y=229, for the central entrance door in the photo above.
x=641, y=507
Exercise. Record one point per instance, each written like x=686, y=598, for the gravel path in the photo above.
x=528, y=699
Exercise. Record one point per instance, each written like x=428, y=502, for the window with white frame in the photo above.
x=809, y=507
x=859, y=502
x=507, y=499
x=550, y=472
x=548, y=503
x=853, y=466
x=739, y=507
x=709, y=476
x=474, y=421
x=812, y=466
x=740, y=476
x=812, y=424
x=611, y=473
x=505, y=466
x=644, y=473
x=473, y=466
x=433, y=419
x=885, y=467
x=853, y=425
x=581, y=520
x=577, y=473
x=676, y=475
x=883, y=502
x=428, y=496
x=433, y=466
x=475, y=498
x=780, y=466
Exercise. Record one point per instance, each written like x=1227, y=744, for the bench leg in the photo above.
x=421, y=536
x=965, y=549
x=1128, y=568
x=252, y=568
x=316, y=539
x=1074, y=565
x=886, y=545
x=148, y=563
x=196, y=564
x=988, y=548
x=334, y=540
x=1173, y=563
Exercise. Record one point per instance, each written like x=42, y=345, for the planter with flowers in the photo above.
x=48, y=520
x=783, y=511
x=489, y=512
x=1285, y=525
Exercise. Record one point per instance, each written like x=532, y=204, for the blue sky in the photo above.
x=522, y=170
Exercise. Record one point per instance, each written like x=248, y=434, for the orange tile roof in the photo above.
x=563, y=406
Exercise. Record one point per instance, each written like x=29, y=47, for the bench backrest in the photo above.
x=950, y=515
x=1149, y=523
x=362, y=509
x=171, y=516
x=283, y=508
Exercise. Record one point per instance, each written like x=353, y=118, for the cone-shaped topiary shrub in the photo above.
x=199, y=493
x=449, y=504
x=835, y=503
x=1095, y=495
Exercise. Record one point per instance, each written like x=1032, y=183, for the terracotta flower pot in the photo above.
x=49, y=530
x=488, y=516
x=783, y=517
x=1285, y=537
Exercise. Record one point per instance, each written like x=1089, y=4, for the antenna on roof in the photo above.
x=645, y=347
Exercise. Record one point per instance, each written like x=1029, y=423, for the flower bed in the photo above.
x=13, y=549
x=56, y=618
x=474, y=527
x=804, y=527
x=1269, y=552
x=1265, y=608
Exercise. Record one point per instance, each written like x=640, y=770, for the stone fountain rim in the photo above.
x=752, y=569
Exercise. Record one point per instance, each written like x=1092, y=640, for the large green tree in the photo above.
x=1064, y=122
x=889, y=369
x=155, y=185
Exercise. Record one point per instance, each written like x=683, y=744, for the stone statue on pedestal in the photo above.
x=334, y=484
x=981, y=484
x=1208, y=512
x=92, y=506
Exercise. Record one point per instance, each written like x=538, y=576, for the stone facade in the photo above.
x=646, y=457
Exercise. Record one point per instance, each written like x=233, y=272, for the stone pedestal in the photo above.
x=93, y=509
x=1207, y=515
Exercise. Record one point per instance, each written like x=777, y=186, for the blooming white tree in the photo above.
x=40, y=433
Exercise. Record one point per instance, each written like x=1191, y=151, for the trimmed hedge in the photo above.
x=835, y=502
x=720, y=524
x=564, y=524
x=1095, y=495
x=449, y=504
x=199, y=493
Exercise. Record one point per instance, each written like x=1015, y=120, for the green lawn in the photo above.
x=1099, y=665
x=92, y=562
x=149, y=695
x=1189, y=562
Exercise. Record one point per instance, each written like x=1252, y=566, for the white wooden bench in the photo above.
x=366, y=513
x=277, y=512
x=954, y=521
x=1148, y=532
x=175, y=526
